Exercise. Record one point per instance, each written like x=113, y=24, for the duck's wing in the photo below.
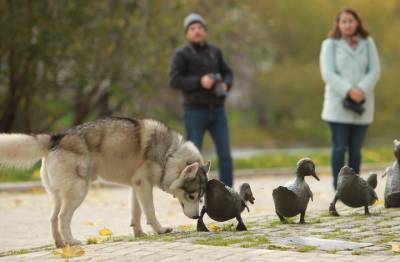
x=218, y=191
x=363, y=184
x=220, y=201
x=286, y=201
x=283, y=194
x=365, y=187
x=310, y=194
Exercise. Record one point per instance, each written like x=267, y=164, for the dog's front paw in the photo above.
x=73, y=242
x=164, y=230
x=138, y=233
x=59, y=244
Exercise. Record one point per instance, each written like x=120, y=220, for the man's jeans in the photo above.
x=346, y=137
x=200, y=119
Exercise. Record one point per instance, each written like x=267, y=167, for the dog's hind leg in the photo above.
x=136, y=216
x=71, y=199
x=58, y=240
x=55, y=231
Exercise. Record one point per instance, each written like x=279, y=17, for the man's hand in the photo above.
x=207, y=82
x=356, y=94
x=225, y=87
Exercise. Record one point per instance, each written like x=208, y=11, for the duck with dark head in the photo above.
x=292, y=199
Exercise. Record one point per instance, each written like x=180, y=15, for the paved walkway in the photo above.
x=175, y=252
x=24, y=220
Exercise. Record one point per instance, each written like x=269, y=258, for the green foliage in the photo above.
x=19, y=175
x=66, y=62
x=321, y=157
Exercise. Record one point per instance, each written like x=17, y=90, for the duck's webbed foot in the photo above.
x=240, y=226
x=366, y=211
x=332, y=207
x=302, y=215
x=281, y=218
x=201, y=227
x=332, y=211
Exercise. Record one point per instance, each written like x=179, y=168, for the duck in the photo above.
x=223, y=203
x=292, y=198
x=392, y=188
x=354, y=191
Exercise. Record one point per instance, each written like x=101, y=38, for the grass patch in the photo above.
x=387, y=239
x=335, y=233
x=218, y=241
x=228, y=227
x=25, y=251
x=256, y=241
x=314, y=221
x=247, y=241
x=304, y=249
x=359, y=252
x=19, y=175
x=333, y=251
x=277, y=222
x=321, y=157
x=277, y=247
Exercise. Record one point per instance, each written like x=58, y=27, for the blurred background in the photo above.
x=66, y=62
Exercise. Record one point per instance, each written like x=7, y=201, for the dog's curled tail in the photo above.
x=21, y=150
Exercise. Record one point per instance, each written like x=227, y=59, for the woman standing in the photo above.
x=350, y=68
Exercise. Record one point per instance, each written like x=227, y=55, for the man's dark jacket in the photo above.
x=189, y=64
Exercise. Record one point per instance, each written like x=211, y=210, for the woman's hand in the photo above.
x=356, y=94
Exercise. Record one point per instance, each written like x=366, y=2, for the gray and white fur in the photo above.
x=140, y=154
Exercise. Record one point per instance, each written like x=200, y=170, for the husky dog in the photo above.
x=137, y=153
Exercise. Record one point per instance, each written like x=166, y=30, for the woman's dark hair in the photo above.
x=335, y=31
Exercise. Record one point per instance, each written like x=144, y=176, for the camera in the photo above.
x=350, y=104
x=219, y=86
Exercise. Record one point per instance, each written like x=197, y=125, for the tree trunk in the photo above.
x=11, y=102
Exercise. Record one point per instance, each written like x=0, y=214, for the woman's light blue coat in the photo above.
x=342, y=68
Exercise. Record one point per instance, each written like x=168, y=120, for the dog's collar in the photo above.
x=164, y=170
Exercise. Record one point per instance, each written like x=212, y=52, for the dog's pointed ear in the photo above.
x=190, y=171
x=207, y=167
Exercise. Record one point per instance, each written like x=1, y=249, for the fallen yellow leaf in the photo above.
x=36, y=174
x=69, y=251
x=214, y=228
x=396, y=247
x=94, y=240
x=105, y=232
x=184, y=227
x=38, y=190
x=88, y=223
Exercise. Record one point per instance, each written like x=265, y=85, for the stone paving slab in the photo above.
x=162, y=251
x=323, y=244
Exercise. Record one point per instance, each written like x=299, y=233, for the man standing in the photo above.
x=199, y=71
